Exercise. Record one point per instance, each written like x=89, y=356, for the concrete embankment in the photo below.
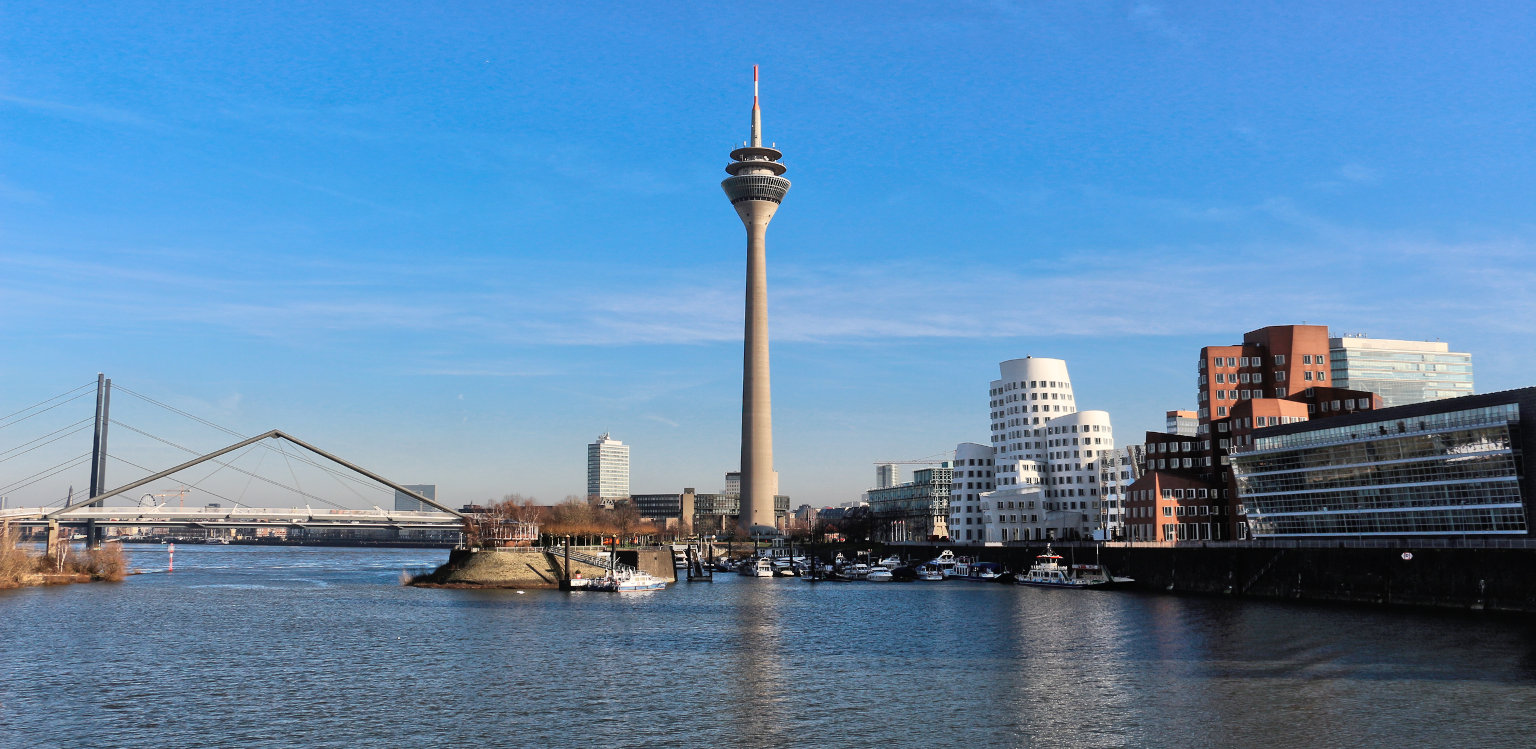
x=531, y=568
x=1492, y=579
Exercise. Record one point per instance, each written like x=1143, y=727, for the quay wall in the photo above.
x=656, y=561
x=532, y=569
x=1475, y=578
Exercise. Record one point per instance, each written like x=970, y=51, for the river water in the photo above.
x=269, y=647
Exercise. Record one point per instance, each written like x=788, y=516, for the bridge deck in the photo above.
x=234, y=517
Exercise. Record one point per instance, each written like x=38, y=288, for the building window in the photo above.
x=1307, y=375
x=1306, y=358
x=1279, y=360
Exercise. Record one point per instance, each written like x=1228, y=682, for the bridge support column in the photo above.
x=53, y=539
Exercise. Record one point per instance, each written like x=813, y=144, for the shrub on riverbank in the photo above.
x=105, y=562
x=20, y=567
x=15, y=563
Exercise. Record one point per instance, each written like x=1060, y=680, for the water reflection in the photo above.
x=283, y=647
x=754, y=675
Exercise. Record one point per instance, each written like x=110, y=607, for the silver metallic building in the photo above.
x=1460, y=466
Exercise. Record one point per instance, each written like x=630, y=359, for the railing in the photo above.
x=158, y=515
x=1333, y=542
x=1336, y=542
x=593, y=560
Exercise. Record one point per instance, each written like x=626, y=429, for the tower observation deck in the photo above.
x=756, y=187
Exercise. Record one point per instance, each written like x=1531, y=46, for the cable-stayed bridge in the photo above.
x=353, y=497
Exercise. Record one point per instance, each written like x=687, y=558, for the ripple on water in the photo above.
x=259, y=647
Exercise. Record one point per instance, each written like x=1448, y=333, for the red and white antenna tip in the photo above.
x=754, y=85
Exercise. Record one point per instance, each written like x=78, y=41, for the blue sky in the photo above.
x=456, y=244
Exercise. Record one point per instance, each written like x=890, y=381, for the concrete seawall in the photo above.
x=531, y=569
x=1492, y=579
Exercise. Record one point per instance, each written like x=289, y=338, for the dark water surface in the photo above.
x=248, y=646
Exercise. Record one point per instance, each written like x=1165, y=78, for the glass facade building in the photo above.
x=1452, y=467
x=406, y=503
x=914, y=511
x=1401, y=372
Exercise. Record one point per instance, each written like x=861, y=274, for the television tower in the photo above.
x=755, y=187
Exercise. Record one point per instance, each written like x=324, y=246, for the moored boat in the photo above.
x=984, y=572
x=760, y=567
x=944, y=563
x=930, y=572
x=1049, y=572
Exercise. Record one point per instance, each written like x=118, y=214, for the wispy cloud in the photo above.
x=1152, y=18
x=1333, y=273
x=1359, y=174
x=81, y=112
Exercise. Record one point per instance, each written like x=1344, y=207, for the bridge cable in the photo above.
x=12, y=422
x=78, y=426
x=46, y=400
x=301, y=458
x=218, y=467
x=193, y=484
x=284, y=453
x=234, y=467
x=254, y=468
x=66, y=465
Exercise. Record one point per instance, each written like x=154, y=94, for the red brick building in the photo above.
x=1277, y=375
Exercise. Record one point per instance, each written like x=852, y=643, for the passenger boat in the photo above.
x=928, y=571
x=784, y=568
x=620, y=582
x=945, y=562
x=760, y=567
x=640, y=580
x=984, y=572
x=891, y=562
x=1049, y=572
x=879, y=574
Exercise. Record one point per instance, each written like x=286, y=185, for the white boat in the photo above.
x=1049, y=572
x=891, y=562
x=978, y=571
x=929, y=572
x=761, y=567
x=945, y=562
x=879, y=574
x=640, y=580
x=618, y=581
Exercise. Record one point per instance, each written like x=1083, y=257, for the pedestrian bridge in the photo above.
x=235, y=517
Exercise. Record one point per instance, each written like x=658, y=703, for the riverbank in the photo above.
x=1404, y=574
x=533, y=568
x=24, y=568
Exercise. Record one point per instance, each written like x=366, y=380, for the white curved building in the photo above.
x=1046, y=459
x=973, y=476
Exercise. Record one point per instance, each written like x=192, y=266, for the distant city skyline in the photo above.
x=452, y=244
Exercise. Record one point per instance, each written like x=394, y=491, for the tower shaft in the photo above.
x=756, y=187
x=759, y=482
